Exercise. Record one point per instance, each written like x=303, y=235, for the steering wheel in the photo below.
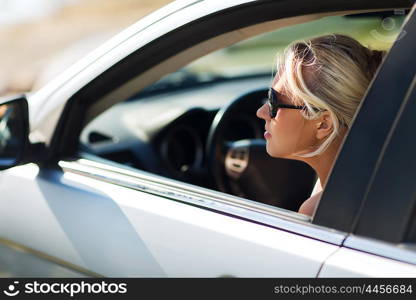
x=244, y=168
x=5, y=134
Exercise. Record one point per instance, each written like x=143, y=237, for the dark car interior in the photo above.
x=194, y=138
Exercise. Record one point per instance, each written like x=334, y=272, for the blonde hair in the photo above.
x=327, y=73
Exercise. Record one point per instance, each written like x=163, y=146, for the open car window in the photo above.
x=166, y=128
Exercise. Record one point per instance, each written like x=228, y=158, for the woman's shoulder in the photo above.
x=308, y=206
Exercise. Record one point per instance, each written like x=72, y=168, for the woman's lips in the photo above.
x=267, y=135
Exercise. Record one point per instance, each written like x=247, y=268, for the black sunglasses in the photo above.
x=274, y=105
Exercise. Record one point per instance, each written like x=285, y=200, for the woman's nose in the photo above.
x=262, y=112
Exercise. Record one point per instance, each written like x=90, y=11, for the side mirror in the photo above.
x=14, y=131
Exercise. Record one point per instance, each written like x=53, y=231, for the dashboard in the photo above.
x=166, y=133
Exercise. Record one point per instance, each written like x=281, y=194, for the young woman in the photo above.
x=317, y=88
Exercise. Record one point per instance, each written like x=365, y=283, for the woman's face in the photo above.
x=289, y=132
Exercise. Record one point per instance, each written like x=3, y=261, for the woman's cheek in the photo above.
x=277, y=142
x=285, y=131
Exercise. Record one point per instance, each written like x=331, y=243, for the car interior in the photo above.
x=192, y=118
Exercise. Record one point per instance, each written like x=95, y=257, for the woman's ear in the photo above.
x=324, y=125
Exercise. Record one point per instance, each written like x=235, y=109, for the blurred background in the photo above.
x=41, y=38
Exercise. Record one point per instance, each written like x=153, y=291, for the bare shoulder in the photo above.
x=308, y=207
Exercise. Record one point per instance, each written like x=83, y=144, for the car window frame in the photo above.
x=64, y=144
x=386, y=226
x=391, y=196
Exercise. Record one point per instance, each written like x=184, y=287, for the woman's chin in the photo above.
x=272, y=152
x=276, y=153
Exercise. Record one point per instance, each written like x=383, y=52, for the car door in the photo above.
x=382, y=242
x=103, y=219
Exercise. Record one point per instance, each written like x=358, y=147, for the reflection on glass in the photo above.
x=11, y=130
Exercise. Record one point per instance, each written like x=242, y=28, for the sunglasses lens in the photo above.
x=272, y=110
x=272, y=104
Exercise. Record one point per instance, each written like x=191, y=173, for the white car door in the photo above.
x=114, y=224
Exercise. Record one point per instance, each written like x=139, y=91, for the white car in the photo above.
x=145, y=158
